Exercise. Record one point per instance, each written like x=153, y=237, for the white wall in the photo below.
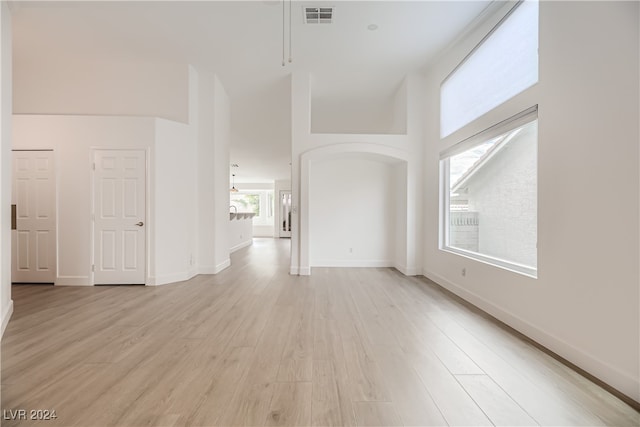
x=352, y=212
x=240, y=233
x=188, y=199
x=71, y=138
x=359, y=116
x=6, y=304
x=401, y=214
x=375, y=113
x=584, y=304
x=201, y=116
x=212, y=123
x=308, y=148
x=175, y=203
x=101, y=87
x=192, y=164
x=222, y=143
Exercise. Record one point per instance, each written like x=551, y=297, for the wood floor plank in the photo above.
x=543, y=402
x=376, y=414
x=331, y=405
x=541, y=367
x=494, y=402
x=457, y=407
x=364, y=376
x=254, y=345
x=297, y=358
x=290, y=405
x=413, y=403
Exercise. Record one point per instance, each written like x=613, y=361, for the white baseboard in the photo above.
x=304, y=271
x=224, y=264
x=174, y=277
x=73, y=281
x=352, y=263
x=621, y=381
x=300, y=271
x=214, y=269
x=406, y=270
x=6, y=316
x=208, y=269
x=241, y=245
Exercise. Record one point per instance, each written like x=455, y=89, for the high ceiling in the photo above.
x=241, y=41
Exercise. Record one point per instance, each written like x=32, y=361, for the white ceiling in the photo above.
x=241, y=41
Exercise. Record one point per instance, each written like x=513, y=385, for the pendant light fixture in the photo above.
x=233, y=188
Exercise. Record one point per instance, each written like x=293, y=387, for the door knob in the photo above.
x=140, y=224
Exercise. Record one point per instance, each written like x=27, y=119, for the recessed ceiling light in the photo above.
x=372, y=27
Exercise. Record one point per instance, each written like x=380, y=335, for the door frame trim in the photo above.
x=147, y=210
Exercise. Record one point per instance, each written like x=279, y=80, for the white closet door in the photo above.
x=33, y=241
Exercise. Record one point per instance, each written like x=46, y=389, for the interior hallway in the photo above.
x=254, y=345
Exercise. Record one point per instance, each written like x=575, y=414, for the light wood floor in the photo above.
x=256, y=346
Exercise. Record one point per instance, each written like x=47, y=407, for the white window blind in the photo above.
x=504, y=64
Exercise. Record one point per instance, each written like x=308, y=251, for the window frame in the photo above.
x=525, y=117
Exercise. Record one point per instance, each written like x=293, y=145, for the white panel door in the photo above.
x=33, y=242
x=119, y=196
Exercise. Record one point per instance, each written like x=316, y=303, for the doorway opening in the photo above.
x=285, y=214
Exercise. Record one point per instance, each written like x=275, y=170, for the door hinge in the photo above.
x=94, y=166
x=93, y=268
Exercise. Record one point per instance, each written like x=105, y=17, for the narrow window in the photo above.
x=504, y=64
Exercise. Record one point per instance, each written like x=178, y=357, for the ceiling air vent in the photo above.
x=318, y=15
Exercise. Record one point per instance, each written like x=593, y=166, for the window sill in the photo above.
x=513, y=267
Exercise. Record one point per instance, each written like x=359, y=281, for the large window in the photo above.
x=489, y=181
x=490, y=197
x=504, y=64
x=260, y=202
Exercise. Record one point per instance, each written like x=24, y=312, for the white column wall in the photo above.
x=175, y=202
x=6, y=304
x=222, y=143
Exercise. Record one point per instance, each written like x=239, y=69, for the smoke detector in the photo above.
x=318, y=15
